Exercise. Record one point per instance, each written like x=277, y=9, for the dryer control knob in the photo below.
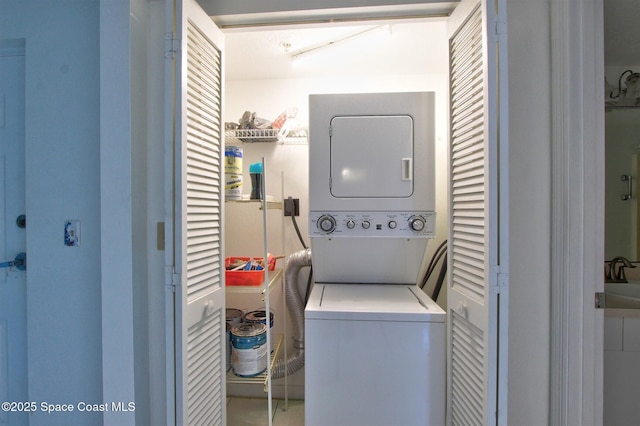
x=366, y=224
x=327, y=223
x=351, y=224
x=416, y=224
x=392, y=224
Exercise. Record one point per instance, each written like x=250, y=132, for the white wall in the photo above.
x=116, y=204
x=132, y=205
x=140, y=239
x=87, y=158
x=154, y=197
x=62, y=168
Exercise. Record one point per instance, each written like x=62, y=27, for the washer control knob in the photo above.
x=327, y=223
x=392, y=224
x=366, y=224
x=416, y=224
x=351, y=224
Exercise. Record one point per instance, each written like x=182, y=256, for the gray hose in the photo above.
x=295, y=305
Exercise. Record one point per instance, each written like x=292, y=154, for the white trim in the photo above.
x=577, y=212
x=116, y=252
x=169, y=131
x=499, y=21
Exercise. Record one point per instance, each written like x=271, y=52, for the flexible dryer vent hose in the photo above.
x=295, y=305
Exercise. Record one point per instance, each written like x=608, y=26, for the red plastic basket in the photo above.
x=246, y=278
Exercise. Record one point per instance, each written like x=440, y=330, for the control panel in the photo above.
x=374, y=224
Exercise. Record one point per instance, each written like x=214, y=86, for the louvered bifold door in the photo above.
x=198, y=258
x=474, y=226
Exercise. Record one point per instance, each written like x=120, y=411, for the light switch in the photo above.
x=72, y=233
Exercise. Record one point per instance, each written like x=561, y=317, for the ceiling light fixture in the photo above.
x=382, y=29
x=285, y=45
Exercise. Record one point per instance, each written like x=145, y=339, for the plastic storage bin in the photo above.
x=247, y=278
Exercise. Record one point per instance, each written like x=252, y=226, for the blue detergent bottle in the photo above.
x=255, y=171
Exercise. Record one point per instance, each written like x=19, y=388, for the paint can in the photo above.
x=233, y=160
x=260, y=317
x=249, y=349
x=234, y=316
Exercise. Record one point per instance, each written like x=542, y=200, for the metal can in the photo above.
x=249, y=349
x=233, y=160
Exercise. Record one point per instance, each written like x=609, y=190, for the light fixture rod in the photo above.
x=319, y=21
x=305, y=51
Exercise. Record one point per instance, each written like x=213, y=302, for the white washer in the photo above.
x=378, y=356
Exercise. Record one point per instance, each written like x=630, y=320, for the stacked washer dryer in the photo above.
x=374, y=342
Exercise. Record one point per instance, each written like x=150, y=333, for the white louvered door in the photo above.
x=194, y=237
x=478, y=264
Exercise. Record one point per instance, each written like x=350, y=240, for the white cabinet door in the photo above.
x=195, y=258
x=478, y=236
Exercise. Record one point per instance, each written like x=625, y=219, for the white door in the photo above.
x=478, y=264
x=195, y=258
x=386, y=170
x=13, y=294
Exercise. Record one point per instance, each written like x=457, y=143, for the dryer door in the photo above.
x=372, y=156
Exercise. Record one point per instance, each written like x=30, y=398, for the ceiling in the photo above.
x=238, y=14
x=415, y=46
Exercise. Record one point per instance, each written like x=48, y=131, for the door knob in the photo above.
x=20, y=262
